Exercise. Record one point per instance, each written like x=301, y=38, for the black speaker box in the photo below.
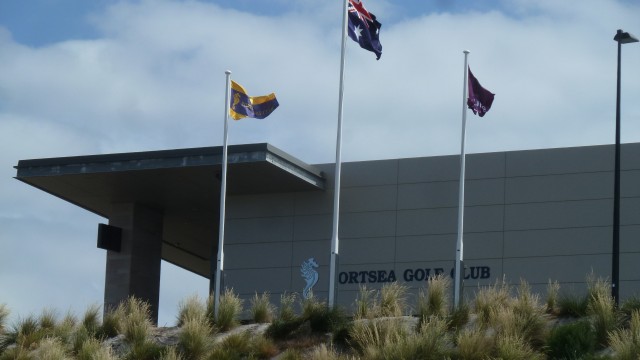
x=109, y=237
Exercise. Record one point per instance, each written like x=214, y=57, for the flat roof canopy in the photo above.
x=184, y=184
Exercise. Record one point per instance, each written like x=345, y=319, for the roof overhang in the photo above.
x=183, y=183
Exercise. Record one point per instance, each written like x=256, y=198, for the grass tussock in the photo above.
x=436, y=298
x=502, y=322
x=626, y=342
x=262, y=311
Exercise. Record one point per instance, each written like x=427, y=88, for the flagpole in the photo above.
x=223, y=196
x=336, y=193
x=459, y=273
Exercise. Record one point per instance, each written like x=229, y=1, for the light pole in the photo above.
x=621, y=38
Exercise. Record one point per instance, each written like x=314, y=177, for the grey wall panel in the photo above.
x=483, y=218
x=558, y=215
x=443, y=247
x=561, y=268
x=313, y=227
x=487, y=165
x=260, y=255
x=560, y=161
x=445, y=220
x=260, y=205
x=427, y=221
x=249, y=281
x=629, y=289
x=559, y=187
x=630, y=266
x=252, y=230
x=428, y=195
x=369, y=173
x=425, y=248
x=445, y=194
x=630, y=156
x=629, y=211
x=483, y=245
x=368, y=224
x=369, y=198
x=320, y=250
x=438, y=168
x=629, y=183
x=314, y=202
x=572, y=241
x=366, y=250
x=629, y=238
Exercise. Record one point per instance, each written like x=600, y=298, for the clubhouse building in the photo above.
x=537, y=215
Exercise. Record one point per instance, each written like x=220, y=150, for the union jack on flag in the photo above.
x=364, y=28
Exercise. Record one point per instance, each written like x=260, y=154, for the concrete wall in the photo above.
x=537, y=215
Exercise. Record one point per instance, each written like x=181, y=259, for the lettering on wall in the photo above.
x=408, y=275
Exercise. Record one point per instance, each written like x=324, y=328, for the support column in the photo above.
x=135, y=270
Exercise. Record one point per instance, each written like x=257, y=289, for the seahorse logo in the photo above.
x=310, y=275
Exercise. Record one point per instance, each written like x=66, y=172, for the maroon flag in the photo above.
x=480, y=99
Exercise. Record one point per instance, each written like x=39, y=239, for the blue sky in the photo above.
x=95, y=77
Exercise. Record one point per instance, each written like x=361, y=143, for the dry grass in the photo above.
x=262, y=311
x=626, y=342
x=192, y=308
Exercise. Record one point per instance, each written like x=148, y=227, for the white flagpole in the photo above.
x=336, y=194
x=459, y=246
x=223, y=196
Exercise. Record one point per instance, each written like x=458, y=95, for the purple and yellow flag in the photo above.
x=480, y=99
x=243, y=105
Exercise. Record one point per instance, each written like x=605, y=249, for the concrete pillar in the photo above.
x=135, y=270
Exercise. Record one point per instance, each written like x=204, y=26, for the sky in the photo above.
x=106, y=76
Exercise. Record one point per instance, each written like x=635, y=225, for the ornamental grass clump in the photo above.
x=434, y=301
x=601, y=308
x=192, y=308
x=262, y=311
x=490, y=300
x=93, y=349
x=366, y=304
x=393, y=299
x=51, y=349
x=229, y=311
x=112, y=322
x=369, y=335
x=136, y=324
x=515, y=347
x=626, y=342
x=474, y=344
x=553, y=289
x=4, y=315
x=195, y=340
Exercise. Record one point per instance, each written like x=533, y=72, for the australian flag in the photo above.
x=480, y=99
x=364, y=28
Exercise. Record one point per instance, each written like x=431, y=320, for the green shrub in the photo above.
x=145, y=351
x=261, y=308
x=571, y=341
x=191, y=309
x=572, y=305
x=282, y=329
